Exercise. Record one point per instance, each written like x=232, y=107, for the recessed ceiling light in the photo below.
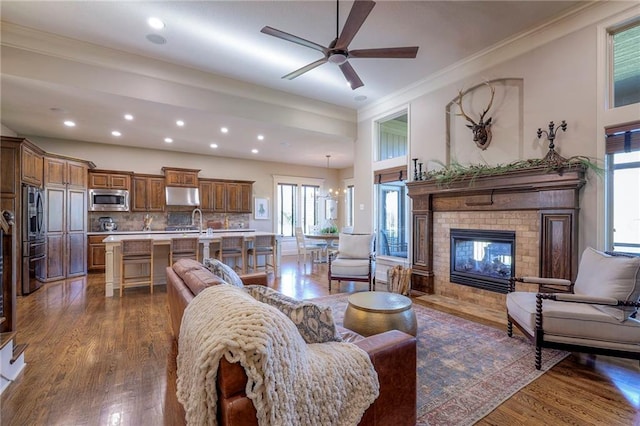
x=168, y=140
x=260, y=137
x=180, y=123
x=128, y=117
x=116, y=133
x=360, y=98
x=224, y=130
x=155, y=23
x=69, y=123
x=214, y=145
x=254, y=151
x=156, y=39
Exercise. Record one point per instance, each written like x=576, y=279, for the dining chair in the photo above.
x=136, y=255
x=306, y=247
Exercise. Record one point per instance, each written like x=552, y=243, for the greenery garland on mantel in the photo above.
x=454, y=172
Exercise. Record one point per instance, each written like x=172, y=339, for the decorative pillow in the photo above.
x=355, y=246
x=199, y=279
x=182, y=266
x=617, y=277
x=223, y=271
x=315, y=323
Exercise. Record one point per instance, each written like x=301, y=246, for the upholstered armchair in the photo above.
x=355, y=260
x=597, y=314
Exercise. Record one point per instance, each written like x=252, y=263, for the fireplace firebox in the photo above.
x=483, y=259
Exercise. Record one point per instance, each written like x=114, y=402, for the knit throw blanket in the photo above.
x=290, y=382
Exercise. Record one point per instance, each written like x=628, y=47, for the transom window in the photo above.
x=626, y=65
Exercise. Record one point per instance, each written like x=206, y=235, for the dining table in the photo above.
x=328, y=238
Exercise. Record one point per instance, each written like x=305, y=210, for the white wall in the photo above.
x=5, y=131
x=558, y=65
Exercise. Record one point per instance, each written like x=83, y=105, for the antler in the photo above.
x=493, y=92
x=462, y=113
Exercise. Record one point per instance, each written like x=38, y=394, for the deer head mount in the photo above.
x=482, y=129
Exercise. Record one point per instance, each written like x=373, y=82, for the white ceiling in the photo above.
x=91, y=62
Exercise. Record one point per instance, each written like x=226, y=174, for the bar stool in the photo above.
x=263, y=245
x=183, y=248
x=232, y=247
x=138, y=253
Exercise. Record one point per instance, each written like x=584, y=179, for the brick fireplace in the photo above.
x=539, y=207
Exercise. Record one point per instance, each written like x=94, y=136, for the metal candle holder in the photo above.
x=552, y=156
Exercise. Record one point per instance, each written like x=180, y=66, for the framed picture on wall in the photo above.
x=261, y=209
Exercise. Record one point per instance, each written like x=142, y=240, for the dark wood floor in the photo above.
x=109, y=361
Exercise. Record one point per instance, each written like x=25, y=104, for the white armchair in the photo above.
x=355, y=260
x=596, y=314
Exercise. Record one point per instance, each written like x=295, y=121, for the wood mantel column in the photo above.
x=554, y=195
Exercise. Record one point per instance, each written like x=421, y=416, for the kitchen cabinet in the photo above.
x=181, y=177
x=148, y=193
x=96, y=253
x=65, y=173
x=219, y=196
x=239, y=197
x=65, y=184
x=206, y=195
x=32, y=165
x=105, y=179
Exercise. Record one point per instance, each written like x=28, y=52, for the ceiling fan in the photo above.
x=338, y=51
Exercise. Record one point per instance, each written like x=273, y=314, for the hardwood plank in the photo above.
x=97, y=360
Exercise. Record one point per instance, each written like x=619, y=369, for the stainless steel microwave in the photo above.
x=108, y=200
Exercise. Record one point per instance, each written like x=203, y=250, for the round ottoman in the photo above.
x=373, y=312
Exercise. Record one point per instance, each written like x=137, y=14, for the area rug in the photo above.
x=465, y=369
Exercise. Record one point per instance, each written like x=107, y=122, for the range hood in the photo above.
x=181, y=196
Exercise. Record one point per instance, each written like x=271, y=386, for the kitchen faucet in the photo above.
x=193, y=218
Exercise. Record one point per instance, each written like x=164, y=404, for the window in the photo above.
x=392, y=137
x=625, y=83
x=296, y=206
x=623, y=181
x=391, y=219
x=349, y=204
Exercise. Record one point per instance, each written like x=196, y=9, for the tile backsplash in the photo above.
x=134, y=221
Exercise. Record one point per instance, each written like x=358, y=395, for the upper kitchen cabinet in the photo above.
x=181, y=177
x=148, y=193
x=65, y=173
x=221, y=196
x=32, y=164
x=239, y=197
x=107, y=179
x=23, y=163
x=206, y=195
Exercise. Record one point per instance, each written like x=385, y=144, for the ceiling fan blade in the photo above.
x=359, y=12
x=304, y=69
x=351, y=75
x=292, y=38
x=385, y=52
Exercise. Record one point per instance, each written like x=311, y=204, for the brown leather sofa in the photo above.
x=393, y=354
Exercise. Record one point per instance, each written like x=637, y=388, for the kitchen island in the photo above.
x=161, y=245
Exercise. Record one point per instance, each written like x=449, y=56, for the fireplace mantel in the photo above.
x=554, y=195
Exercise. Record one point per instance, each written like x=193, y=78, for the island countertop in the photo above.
x=113, y=243
x=196, y=232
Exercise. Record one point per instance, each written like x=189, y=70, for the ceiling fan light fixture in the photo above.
x=338, y=58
